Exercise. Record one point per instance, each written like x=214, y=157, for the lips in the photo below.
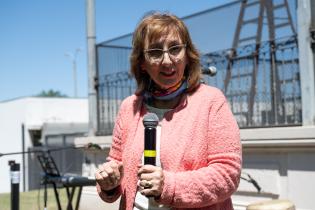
x=168, y=73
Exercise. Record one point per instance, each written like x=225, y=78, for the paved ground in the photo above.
x=91, y=201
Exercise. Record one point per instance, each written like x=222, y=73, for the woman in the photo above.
x=198, y=143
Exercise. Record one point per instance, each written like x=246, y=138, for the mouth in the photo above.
x=169, y=73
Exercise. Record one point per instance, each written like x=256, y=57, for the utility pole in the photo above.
x=91, y=54
x=306, y=36
x=73, y=58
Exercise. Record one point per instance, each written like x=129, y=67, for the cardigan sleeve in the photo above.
x=114, y=154
x=216, y=182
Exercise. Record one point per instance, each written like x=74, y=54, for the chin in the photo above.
x=165, y=84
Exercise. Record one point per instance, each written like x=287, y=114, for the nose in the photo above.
x=166, y=59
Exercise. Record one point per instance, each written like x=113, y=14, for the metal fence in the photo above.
x=113, y=88
x=262, y=86
x=258, y=72
x=113, y=84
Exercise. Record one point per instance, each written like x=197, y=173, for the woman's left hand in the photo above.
x=151, y=180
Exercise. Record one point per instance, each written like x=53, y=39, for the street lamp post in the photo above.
x=73, y=58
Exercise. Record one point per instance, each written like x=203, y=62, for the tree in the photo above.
x=51, y=93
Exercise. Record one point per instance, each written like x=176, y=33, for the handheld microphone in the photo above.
x=150, y=121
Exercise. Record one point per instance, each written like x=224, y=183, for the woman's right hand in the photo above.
x=109, y=175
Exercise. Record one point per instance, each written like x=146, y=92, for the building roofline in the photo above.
x=39, y=97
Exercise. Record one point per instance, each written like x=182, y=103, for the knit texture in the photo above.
x=200, y=151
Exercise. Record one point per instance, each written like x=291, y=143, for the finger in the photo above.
x=147, y=192
x=110, y=171
x=105, y=178
x=147, y=169
x=121, y=168
x=117, y=169
x=98, y=176
x=113, y=179
x=146, y=184
x=98, y=171
x=157, y=174
x=151, y=192
x=117, y=172
x=113, y=164
x=101, y=175
x=102, y=181
x=109, y=176
x=108, y=167
x=147, y=177
x=105, y=174
x=104, y=166
x=108, y=159
x=142, y=174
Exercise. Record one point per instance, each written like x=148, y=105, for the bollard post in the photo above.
x=15, y=184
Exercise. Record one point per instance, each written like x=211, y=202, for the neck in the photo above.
x=163, y=100
x=170, y=89
x=167, y=104
x=170, y=93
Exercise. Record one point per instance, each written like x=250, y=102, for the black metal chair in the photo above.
x=70, y=182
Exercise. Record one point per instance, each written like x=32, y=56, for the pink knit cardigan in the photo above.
x=200, y=152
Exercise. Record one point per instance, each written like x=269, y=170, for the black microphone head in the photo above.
x=150, y=120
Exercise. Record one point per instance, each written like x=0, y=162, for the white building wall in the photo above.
x=33, y=112
x=281, y=160
x=12, y=115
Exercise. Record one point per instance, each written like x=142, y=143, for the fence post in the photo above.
x=15, y=184
x=306, y=60
x=92, y=82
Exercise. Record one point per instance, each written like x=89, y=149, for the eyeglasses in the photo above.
x=157, y=55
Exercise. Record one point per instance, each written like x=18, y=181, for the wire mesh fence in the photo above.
x=262, y=87
x=257, y=70
x=113, y=88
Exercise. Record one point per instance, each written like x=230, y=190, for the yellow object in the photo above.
x=272, y=205
x=149, y=153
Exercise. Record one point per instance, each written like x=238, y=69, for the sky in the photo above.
x=36, y=35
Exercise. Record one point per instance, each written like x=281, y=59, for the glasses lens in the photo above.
x=175, y=50
x=155, y=54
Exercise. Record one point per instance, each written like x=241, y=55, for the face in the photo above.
x=166, y=68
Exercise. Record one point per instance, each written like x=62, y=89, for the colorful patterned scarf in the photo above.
x=168, y=94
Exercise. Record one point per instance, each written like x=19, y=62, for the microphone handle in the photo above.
x=150, y=145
